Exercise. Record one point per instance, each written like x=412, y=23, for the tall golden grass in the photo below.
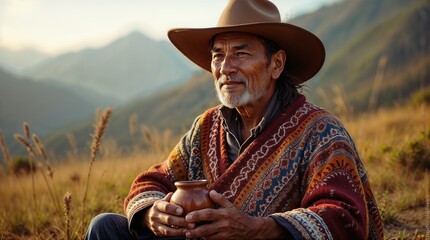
x=95, y=146
x=379, y=136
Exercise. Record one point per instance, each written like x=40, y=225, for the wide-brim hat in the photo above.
x=305, y=51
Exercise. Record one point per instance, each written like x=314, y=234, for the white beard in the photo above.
x=237, y=101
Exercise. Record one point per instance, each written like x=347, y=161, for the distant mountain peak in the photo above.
x=133, y=65
x=134, y=37
x=136, y=34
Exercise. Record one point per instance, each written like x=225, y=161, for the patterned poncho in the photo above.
x=303, y=170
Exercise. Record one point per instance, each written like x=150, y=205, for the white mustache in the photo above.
x=224, y=79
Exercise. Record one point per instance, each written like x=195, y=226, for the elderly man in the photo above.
x=278, y=166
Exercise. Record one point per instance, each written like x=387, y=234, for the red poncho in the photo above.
x=303, y=170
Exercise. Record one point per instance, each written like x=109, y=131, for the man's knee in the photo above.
x=107, y=224
x=105, y=219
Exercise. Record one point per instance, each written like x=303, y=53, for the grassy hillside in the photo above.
x=377, y=51
x=341, y=22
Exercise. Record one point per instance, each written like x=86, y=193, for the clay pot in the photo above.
x=192, y=195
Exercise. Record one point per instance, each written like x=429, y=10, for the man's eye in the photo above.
x=217, y=56
x=242, y=53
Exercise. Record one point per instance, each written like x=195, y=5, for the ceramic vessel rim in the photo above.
x=191, y=183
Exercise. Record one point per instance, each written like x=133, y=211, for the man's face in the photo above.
x=239, y=66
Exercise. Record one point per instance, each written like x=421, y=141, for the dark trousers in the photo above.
x=112, y=226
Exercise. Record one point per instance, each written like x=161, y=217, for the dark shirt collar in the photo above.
x=232, y=117
x=232, y=124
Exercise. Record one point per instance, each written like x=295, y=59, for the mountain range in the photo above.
x=45, y=107
x=18, y=60
x=378, y=55
x=378, y=52
x=131, y=66
x=53, y=91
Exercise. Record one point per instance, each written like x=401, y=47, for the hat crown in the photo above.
x=305, y=51
x=239, y=12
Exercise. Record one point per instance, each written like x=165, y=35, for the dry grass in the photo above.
x=379, y=135
x=110, y=183
x=95, y=146
x=67, y=203
x=402, y=191
x=5, y=150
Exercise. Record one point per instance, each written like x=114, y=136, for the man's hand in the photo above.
x=228, y=222
x=165, y=219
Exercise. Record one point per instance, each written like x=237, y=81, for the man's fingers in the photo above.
x=168, y=196
x=210, y=215
x=166, y=207
x=166, y=216
x=165, y=230
x=220, y=199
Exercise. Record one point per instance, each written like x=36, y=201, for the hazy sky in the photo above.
x=55, y=26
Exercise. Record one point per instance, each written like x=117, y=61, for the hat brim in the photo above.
x=305, y=51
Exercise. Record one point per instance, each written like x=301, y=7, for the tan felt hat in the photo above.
x=305, y=51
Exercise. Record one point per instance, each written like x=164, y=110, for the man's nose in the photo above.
x=228, y=65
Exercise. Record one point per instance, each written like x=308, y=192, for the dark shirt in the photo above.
x=232, y=124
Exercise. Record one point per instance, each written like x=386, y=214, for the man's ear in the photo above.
x=278, y=63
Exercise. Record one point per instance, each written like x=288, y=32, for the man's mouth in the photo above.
x=231, y=84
